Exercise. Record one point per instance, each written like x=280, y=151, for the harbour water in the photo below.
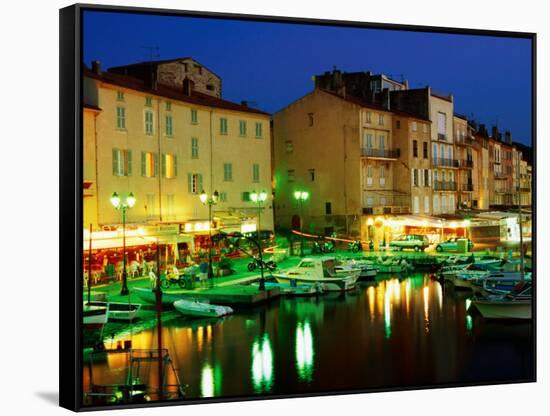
x=397, y=332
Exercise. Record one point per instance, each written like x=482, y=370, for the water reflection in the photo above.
x=207, y=381
x=304, y=351
x=262, y=364
x=426, y=297
x=387, y=309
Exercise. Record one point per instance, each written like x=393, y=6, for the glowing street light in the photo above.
x=209, y=200
x=301, y=196
x=123, y=205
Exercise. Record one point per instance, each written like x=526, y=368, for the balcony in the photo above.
x=466, y=187
x=442, y=137
x=373, y=153
x=444, y=186
x=524, y=189
x=500, y=175
x=465, y=163
x=466, y=140
x=444, y=162
x=386, y=203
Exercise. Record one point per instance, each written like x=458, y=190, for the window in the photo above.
x=223, y=126
x=209, y=87
x=369, y=175
x=255, y=172
x=148, y=102
x=291, y=175
x=426, y=177
x=149, y=123
x=382, y=200
x=442, y=125
x=398, y=124
x=436, y=204
x=381, y=119
x=151, y=206
x=227, y=172
x=312, y=175
x=194, y=183
x=121, y=118
x=425, y=150
x=434, y=151
x=194, y=148
x=223, y=197
x=328, y=208
x=289, y=146
x=421, y=177
x=194, y=117
x=382, y=176
x=242, y=128
x=122, y=162
x=245, y=196
x=368, y=117
x=381, y=144
x=367, y=140
x=170, y=205
x=443, y=204
x=415, y=177
x=416, y=205
x=259, y=130
x=119, y=96
x=426, y=204
x=149, y=164
x=414, y=126
x=451, y=203
x=169, y=129
x=424, y=128
x=168, y=106
x=169, y=166
x=415, y=148
x=370, y=201
x=310, y=119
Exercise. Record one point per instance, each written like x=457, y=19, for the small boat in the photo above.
x=517, y=304
x=367, y=272
x=498, y=283
x=462, y=275
x=94, y=319
x=321, y=271
x=201, y=309
x=297, y=290
x=119, y=311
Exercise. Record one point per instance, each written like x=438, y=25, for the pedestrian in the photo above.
x=203, y=273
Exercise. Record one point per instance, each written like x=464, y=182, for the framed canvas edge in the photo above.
x=70, y=196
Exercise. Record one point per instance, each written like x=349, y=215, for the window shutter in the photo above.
x=143, y=163
x=115, y=162
x=129, y=166
x=163, y=165
x=412, y=177
x=175, y=165
x=189, y=183
x=199, y=181
x=156, y=163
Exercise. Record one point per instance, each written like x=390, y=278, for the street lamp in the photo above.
x=123, y=205
x=259, y=198
x=301, y=196
x=209, y=200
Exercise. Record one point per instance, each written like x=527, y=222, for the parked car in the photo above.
x=266, y=236
x=414, y=241
x=452, y=245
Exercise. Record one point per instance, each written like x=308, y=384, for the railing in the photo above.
x=444, y=186
x=382, y=153
x=500, y=175
x=466, y=187
x=465, y=163
x=464, y=140
x=389, y=200
x=441, y=136
x=524, y=189
x=441, y=161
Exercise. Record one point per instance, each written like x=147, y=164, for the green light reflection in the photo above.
x=304, y=351
x=207, y=381
x=387, y=309
x=262, y=364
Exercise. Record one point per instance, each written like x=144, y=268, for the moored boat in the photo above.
x=319, y=271
x=515, y=305
x=201, y=309
x=119, y=311
x=94, y=319
x=367, y=272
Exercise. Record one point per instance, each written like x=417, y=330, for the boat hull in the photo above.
x=327, y=284
x=201, y=310
x=504, y=309
x=119, y=311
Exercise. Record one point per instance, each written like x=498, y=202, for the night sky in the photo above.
x=272, y=64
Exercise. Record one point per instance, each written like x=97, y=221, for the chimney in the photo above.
x=96, y=67
x=494, y=133
x=188, y=86
x=508, y=137
x=483, y=130
x=150, y=77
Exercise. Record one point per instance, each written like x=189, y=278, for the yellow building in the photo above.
x=465, y=177
x=167, y=145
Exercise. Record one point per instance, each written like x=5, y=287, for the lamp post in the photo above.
x=259, y=198
x=123, y=205
x=301, y=196
x=209, y=200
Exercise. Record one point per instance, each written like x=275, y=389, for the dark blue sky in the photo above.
x=271, y=64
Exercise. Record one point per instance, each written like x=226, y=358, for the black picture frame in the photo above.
x=71, y=191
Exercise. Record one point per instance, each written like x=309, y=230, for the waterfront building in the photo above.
x=166, y=145
x=466, y=179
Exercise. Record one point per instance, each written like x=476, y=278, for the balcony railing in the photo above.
x=444, y=186
x=380, y=153
x=385, y=202
x=466, y=187
x=465, y=163
x=500, y=175
x=441, y=136
x=464, y=140
x=441, y=161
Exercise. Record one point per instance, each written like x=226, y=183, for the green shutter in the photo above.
x=199, y=183
x=175, y=165
x=115, y=162
x=143, y=163
x=163, y=164
x=156, y=163
x=189, y=183
x=129, y=166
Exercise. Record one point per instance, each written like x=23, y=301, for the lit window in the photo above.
x=169, y=166
x=149, y=164
x=194, y=183
x=122, y=162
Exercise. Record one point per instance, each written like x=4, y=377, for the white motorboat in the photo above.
x=201, y=309
x=515, y=305
x=119, y=311
x=499, y=283
x=322, y=271
x=94, y=317
x=463, y=275
x=367, y=271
